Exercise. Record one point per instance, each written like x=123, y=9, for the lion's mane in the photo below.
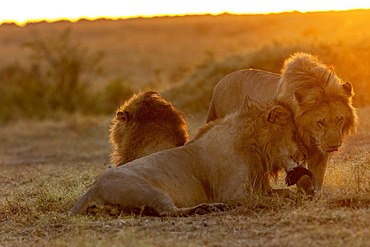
x=303, y=75
x=145, y=124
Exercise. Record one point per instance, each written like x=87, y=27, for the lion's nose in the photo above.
x=332, y=145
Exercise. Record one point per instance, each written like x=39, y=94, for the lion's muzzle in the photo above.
x=332, y=140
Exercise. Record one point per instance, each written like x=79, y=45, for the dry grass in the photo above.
x=46, y=166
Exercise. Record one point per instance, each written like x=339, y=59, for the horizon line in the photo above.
x=95, y=18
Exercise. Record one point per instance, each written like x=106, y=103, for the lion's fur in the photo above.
x=227, y=161
x=145, y=124
x=305, y=74
x=315, y=95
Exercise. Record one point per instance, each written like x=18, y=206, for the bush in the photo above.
x=23, y=93
x=58, y=80
x=114, y=94
x=68, y=68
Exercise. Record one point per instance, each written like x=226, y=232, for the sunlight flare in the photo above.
x=22, y=12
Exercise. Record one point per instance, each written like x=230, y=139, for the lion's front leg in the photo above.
x=306, y=185
x=316, y=163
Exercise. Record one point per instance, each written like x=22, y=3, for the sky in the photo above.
x=21, y=11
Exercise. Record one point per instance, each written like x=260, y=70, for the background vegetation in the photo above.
x=92, y=67
x=60, y=84
x=198, y=85
x=56, y=81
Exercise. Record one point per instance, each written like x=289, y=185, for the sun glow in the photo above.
x=24, y=11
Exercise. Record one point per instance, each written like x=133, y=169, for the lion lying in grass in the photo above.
x=230, y=159
x=143, y=125
x=320, y=102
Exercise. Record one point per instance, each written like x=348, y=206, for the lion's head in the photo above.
x=145, y=124
x=276, y=135
x=321, y=102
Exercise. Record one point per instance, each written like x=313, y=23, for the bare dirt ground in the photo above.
x=45, y=167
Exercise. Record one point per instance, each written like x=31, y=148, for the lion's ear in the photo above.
x=347, y=87
x=278, y=114
x=123, y=116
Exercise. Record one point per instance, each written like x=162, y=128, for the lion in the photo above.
x=143, y=125
x=230, y=159
x=321, y=103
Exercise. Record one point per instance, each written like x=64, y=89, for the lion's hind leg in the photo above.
x=203, y=208
x=86, y=201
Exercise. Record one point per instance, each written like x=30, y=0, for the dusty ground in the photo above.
x=46, y=166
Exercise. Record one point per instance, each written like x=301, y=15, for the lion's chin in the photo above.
x=331, y=149
x=328, y=149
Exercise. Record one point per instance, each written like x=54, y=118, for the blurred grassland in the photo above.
x=50, y=70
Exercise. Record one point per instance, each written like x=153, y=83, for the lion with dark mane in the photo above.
x=320, y=102
x=143, y=125
x=229, y=160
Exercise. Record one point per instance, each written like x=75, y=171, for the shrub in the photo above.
x=23, y=93
x=56, y=81
x=67, y=67
x=114, y=94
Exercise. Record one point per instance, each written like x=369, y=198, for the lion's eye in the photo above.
x=340, y=120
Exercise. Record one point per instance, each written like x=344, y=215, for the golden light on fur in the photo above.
x=321, y=103
x=228, y=161
x=309, y=85
x=145, y=124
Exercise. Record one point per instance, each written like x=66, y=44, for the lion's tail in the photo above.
x=81, y=205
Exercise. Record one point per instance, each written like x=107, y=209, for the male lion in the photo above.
x=143, y=125
x=321, y=103
x=231, y=158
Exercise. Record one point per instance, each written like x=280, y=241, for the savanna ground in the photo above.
x=48, y=161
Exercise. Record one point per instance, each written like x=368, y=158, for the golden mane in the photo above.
x=257, y=136
x=262, y=137
x=306, y=80
x=145, y=124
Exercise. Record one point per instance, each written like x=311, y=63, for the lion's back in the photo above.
x=240, y=88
